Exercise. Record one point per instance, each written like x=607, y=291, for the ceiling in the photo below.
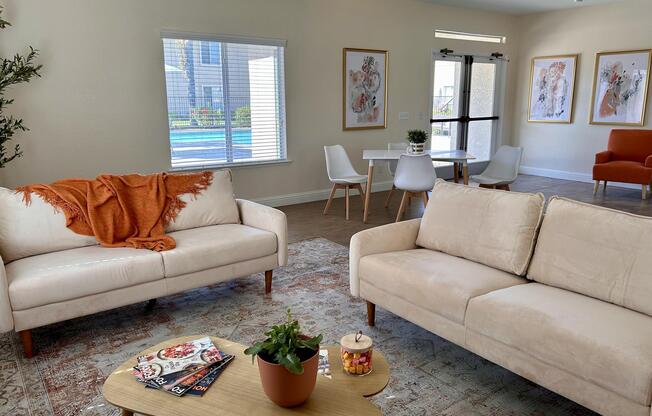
x=521, y=6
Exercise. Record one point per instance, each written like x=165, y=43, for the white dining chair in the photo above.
x=415, y=176
x=391, y=167
x=342, y=175
x=502, y=169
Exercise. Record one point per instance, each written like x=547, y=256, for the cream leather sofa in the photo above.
x=50, y=274
x=569, y=308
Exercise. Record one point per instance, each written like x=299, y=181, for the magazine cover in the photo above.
x=200, y=380
x=190, y=356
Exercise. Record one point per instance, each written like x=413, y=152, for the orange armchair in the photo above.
x=628, y=158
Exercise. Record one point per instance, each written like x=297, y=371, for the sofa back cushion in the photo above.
x=595, y=251
x=216, y=205
x=495, y=228
x=35, y=229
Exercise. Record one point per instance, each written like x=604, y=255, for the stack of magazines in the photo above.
x=189, y=368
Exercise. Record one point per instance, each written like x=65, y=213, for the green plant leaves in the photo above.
x=284, y=345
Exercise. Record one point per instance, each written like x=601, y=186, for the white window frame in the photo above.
x=283, y=154
x=201, y=55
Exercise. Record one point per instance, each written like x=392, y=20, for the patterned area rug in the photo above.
x=430, y=376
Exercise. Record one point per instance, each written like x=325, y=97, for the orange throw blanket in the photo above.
x=122, y=211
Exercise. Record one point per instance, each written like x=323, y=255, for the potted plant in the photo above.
x=13, y=71
x=287, y=363
x=417, y=138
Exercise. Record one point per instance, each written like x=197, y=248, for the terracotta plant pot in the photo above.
x=287, y=389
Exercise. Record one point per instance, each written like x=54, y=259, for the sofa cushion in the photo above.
x=208, y=247
x=595, y=251
x=34, y=229
x=432, y=280
x=215, y=205
x=605, y=344
x=623, y=171
x=495, y=228
x=70, y=274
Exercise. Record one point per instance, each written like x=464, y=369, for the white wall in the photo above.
x=568, y=150
x=101, y=106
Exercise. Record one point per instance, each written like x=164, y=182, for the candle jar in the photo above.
x=356, y=353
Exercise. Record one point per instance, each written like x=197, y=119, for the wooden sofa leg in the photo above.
x=150, y=305
x=371, y=314
x=26, y=338
x=268, y=281
x=644, y=192
x=596, y=187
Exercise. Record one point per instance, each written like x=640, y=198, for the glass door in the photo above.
x=465, y=104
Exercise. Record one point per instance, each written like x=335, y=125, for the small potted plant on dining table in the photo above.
x=287, y=363
x=417, y=139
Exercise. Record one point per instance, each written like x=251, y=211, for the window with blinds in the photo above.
x=225, y=99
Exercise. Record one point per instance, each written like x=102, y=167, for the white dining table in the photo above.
x=457, y=157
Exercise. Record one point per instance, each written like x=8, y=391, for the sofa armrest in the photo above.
x=603, y=157
x=268, y=219
x=6, y=314
x=391, y=237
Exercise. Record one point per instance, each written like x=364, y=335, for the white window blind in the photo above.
x=226, y=100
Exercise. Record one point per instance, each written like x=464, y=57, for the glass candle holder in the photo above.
x=356, y=353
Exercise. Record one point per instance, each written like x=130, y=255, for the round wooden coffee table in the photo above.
x=238, y=391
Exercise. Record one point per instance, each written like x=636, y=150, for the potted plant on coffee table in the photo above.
x=287, y=363
x=417, y=138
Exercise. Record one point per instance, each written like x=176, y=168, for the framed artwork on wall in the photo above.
x=620, y=86
x=552, y=84
x=364, y=98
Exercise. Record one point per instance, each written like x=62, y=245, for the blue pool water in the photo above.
x=240, y=136
x=208, y=146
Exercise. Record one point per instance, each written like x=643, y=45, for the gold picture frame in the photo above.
x=592, y=109
x=572, y=58
x=365, y=92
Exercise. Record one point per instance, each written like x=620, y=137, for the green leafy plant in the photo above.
x=19, y=69
x=285, y=345
x=417, y=136
x=242, y=117
x=207, y=117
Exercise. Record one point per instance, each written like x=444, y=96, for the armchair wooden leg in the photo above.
x=596, y=187
x=644, y=192
x=126, y=412
x=371, y=314
x=330, y=198
x=389, y=196
x=401, y=209
x=605, y=187
x=268, y=281
x=26, y=338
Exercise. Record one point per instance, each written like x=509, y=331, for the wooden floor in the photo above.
x=306, y=220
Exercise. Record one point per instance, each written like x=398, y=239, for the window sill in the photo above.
x=231, y=165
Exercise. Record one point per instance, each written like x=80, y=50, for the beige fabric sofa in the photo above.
x=564, y=299
x=50, y=274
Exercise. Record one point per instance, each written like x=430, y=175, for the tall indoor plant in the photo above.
x=13, y=71
x=287, y=363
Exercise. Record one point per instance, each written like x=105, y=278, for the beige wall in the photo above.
x=100, y=106
x=569, y=150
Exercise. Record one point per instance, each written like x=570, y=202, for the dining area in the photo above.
x=413, y=173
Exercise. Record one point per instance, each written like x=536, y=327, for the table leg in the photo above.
x=465, y=172
x=456, y=172
x=367, y=195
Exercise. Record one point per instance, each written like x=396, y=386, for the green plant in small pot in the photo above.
x=287, y=363
x=417, y=140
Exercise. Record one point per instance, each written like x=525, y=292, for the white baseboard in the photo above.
x=310, y=196
x=569, y=176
